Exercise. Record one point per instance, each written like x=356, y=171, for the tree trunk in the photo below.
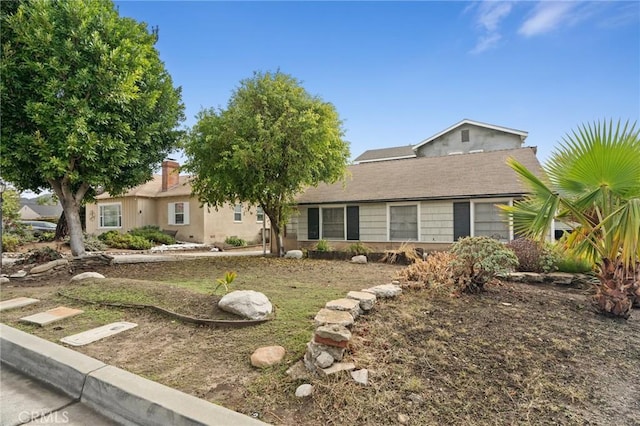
x=276, y=229
x=62, y=230
x=614, y=293
x=71, y=209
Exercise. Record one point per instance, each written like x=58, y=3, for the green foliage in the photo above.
x=358, y=248
x=323, y=245
x=93, y=243
x=273, y=140
x=42, y=255
x=154, y=234
x=593, y=187
x=10, y=242
x=572, y=264
x=226, y=281
x=10, y=210
x=46, y=236
x=479, y=260
x=86, y=102
x=235, y=241
x=533, y=256
x=125, y=241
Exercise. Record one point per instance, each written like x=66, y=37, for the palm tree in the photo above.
x=593, y=186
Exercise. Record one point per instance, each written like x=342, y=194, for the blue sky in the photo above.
x=399, y=72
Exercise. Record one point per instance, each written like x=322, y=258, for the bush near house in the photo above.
x=154, y=234
x=115, y=239
x=235, y=242
x=533, y=256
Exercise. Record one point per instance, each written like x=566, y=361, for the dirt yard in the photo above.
x=516, y=354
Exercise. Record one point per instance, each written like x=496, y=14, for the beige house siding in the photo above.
x=220, y=224
x=128, y=210
x=436, y=221
x=303, y=229
x=191, y=231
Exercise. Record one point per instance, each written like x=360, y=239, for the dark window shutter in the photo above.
x=313, y=223
x=353, y=223
x=461, y=220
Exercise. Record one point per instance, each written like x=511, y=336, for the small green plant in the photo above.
x=533, y=256
x=566, y=262
x=323, y=245
x=358, y=248
x=10, y=242
x=226, y=281
x=92, y=243
x=480, y=260
x=46, y=236
x=235, y=242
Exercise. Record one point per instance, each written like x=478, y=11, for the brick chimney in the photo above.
x=170, y=176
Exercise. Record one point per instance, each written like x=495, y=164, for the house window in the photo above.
x=178, y=213
x=488, y=222
x=237, y=213
x=259, y=214
x=110, y=215
x=464, y=135
x=333, y=223
x=403, y=223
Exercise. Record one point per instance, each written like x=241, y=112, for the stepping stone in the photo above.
x=98, y=333
x=18, y=302
x=52, y=315
x=329, y=316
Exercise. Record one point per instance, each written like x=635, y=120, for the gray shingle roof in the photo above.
x=386, y=154
x=421, y=178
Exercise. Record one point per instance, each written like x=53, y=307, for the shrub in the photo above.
x=533, y=256
x=566, y=262
x=435, y=272
x=154, y=234
x=10, y=242
x=480, y=260
x=47, y=236
x=358, y=248
x=406, y=254
x=235, y=241
x=323, y=245
x=125, y=241
x=42, y=255
x=93, y=243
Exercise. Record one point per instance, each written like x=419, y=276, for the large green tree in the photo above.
x=86, y=102
x=594, y=188
x=273, y=141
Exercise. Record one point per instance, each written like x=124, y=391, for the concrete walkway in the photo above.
x=118, y=395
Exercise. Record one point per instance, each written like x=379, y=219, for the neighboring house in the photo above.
x=31, y=210
x=430, y=200
x=166, y=201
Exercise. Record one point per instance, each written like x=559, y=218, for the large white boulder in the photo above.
x=246, y=303
x=293, y=254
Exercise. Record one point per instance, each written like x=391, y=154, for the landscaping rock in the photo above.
x=361, y=376
x=246, y=303
x=20, y=274
x=348, y=305
x=314, y=350
x=86, y=276
x=338, y=367
x=361, y=259
x=267, y=356
x=333, y=335
x=45, y=267
x=329, y=316
x=4, y=280
x=293, y=254
x=384, y=290
x=367, y=300
x=324, y=360
x=298, y=371
x=304, y=391
x=403, y=419
x=532, y=277
x=561, y=278
x=416, y=398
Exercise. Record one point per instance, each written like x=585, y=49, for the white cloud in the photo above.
x=489, y=16
x=547, y=16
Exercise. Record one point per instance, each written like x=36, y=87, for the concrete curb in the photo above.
x=121, y=396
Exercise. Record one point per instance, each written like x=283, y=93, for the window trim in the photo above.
x=417, y=204
x=101, y=216
x=259, y=211
x=463, y=133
